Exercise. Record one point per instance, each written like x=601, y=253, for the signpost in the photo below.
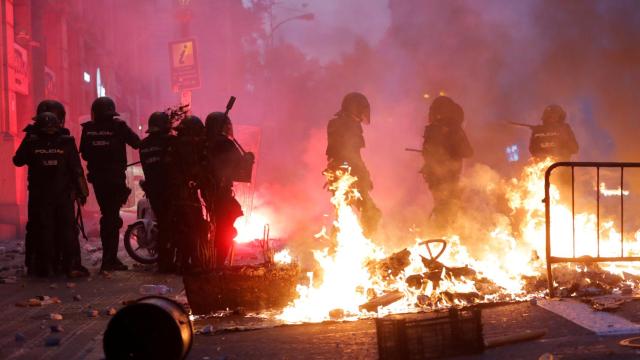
x=185, y=74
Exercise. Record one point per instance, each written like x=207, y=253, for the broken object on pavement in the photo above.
x=382, y=301
x=514, y=338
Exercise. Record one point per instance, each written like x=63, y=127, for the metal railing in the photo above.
x=547, y=201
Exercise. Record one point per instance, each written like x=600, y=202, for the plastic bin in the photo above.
x=430, y=335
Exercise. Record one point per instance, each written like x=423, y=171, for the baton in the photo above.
x=80, y=221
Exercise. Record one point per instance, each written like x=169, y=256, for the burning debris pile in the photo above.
x=358, y=279
x=591, y=279
x=436, y=286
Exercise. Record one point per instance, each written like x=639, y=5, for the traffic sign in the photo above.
x=185, y=74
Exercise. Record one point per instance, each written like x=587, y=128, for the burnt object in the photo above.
x=430, y=335
x=414, y=281
x=256, y=287
x=153, y=327
x=382, y=301
x=515, y=338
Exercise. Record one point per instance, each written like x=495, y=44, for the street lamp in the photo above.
x=306, y=17
x=268, y=51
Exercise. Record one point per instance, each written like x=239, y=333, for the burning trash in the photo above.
x=442, y=273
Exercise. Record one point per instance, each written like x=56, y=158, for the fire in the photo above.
x=345, y=276
x=356, y=271
x=283, y=257
x=250, y=227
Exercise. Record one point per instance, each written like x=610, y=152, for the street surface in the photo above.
x=24, y=330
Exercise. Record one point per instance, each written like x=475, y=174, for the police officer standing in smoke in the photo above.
x=444, y=148
x=68, y=252
x=344, y=142
x=554, y=138
x=223, y=157
x=189, y=229
x=154, y=159
x=55, y=180
x=103, y=146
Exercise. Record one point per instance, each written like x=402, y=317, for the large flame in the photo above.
x=351, y=275
x=345, y=276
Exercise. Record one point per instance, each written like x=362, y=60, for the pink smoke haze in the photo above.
x=501, y=60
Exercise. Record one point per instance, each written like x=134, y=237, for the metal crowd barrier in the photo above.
x=547, y=201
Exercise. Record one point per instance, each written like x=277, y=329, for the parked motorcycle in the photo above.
x=141, y=237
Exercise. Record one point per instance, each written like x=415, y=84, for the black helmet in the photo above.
x=52, y=106
x=190, y=126
x=356, y=104
x=159, y=122
x=553, y=112
x=216, y=122
x=48, y=122
x=103, y=108
x=444, y=110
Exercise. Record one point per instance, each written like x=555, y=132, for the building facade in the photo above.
x=71, y=51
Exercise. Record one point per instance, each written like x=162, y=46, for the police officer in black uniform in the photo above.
x=55, y=179
x=154, y=159
x=344, y=142
x=223, y=158
x=444, y=147
x=69, y=251
x=52, y=106
x=554, y=138
x=103, y=147
x=189, y=229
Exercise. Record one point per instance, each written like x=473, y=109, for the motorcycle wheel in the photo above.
x=140, y=248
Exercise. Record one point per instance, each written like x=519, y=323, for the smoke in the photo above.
x=501, y=60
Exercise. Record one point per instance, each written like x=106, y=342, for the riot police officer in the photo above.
x=57, y=109
x=103, y=147
x=554, y=138
x=444, y=147
x=69, y=251
x=189, y=229
x=223, y=158
x=52, y=106
x=154, y=159
x=55, y=178
x=344, y=142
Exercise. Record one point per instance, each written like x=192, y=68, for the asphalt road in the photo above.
x=82, y=335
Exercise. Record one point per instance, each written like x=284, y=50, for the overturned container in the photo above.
x=153, y=327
